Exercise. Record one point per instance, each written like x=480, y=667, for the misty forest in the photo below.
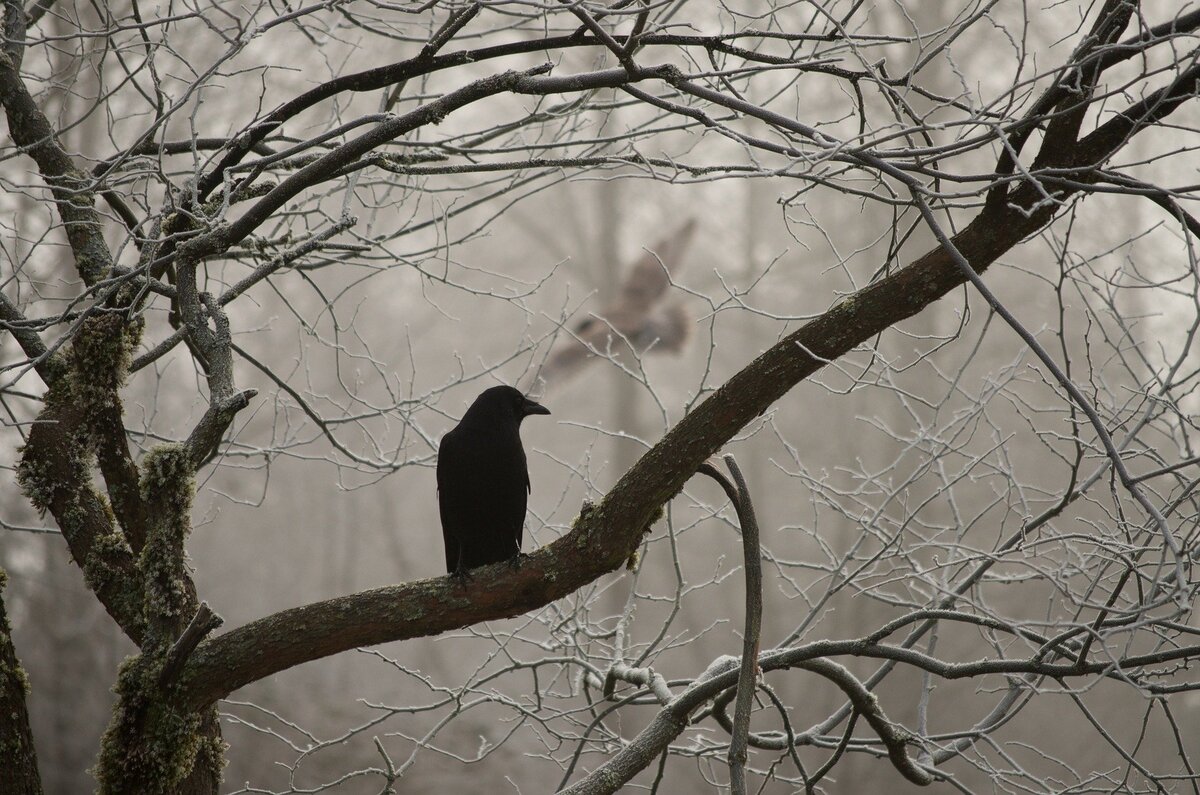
x=867, y=329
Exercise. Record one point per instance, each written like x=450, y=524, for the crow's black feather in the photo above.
x=483, y=480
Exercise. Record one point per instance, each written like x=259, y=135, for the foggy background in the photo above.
x=942, y=437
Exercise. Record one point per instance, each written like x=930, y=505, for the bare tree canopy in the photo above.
x=259, y=257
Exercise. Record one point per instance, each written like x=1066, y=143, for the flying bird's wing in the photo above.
x=649, y=277
x=635, y=318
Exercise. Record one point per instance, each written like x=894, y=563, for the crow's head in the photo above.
x=506, y=402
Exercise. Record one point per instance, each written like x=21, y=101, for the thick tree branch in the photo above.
x=1095, y=60
x=71, y=187
x=1099, y=145
x=48, y=366
x=120, y=474
x=204, y=442
x=14, y=32
x=1078, y=85
x=54, y=476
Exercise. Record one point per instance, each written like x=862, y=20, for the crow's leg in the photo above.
x=461, y=574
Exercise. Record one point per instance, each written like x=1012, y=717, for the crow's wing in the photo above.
x=483, y=491
x=504, y=485
x=450, y=479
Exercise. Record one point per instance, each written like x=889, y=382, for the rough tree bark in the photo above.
x=18, y=755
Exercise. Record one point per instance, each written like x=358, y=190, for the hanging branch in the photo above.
x=739, y=495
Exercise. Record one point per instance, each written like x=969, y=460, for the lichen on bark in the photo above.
x=167, y=488
x=152, y=743
x=18, y=759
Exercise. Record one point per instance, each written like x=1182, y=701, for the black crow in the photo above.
x=483, y=481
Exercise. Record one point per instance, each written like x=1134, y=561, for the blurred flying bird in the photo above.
x=483, y=481
x=643, y=316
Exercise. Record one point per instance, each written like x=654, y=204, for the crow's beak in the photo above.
x=533, y=408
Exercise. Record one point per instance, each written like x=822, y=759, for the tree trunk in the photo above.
x=18, y=758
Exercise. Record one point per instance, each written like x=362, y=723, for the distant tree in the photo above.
x=237, y=155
